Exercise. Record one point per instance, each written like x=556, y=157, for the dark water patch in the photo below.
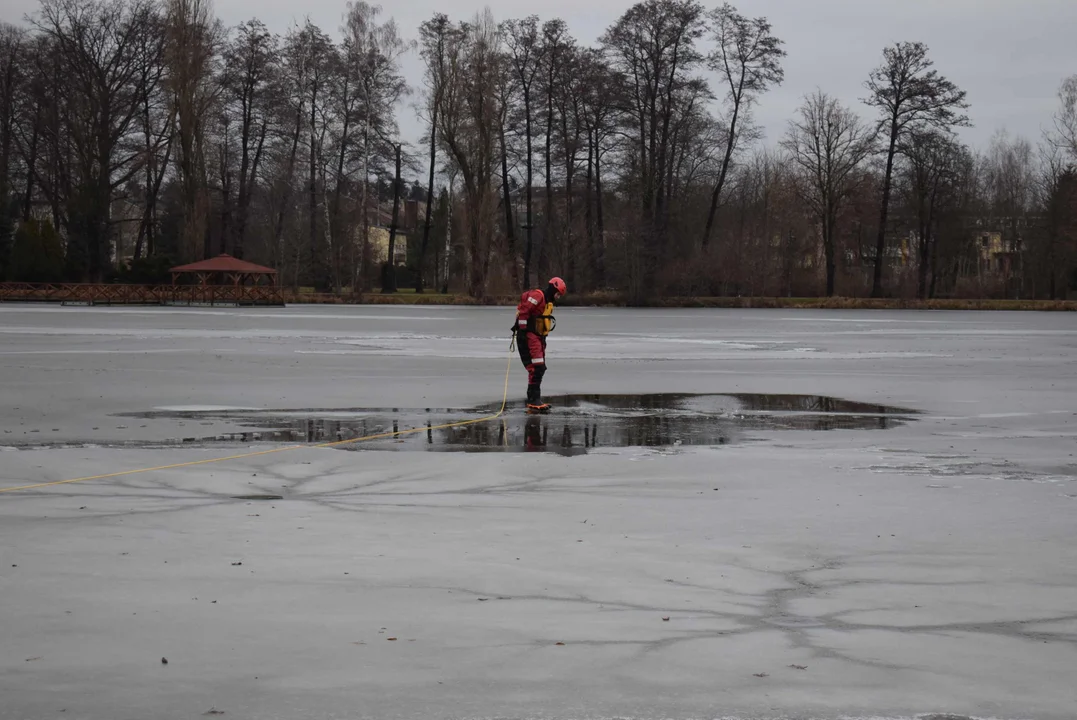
x=575, y=425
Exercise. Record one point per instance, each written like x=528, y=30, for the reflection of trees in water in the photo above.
x=577, y=432
x=652, y=421
x=809, y=403
x=539, y=431
x=759, y=402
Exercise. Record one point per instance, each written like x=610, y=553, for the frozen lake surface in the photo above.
x=728, y=514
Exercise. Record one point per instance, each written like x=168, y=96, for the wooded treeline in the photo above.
x=135, y=134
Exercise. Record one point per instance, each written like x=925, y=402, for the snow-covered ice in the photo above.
x=929, y=567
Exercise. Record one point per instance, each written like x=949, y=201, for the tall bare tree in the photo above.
x=524, y=48
x=322, y=69
x=249, y=80
x=602, y=97
x=747, y=58
x=653, y=45
x=1066, y=117
x=909, y=94
x=432, y=33
x=193, y=42
x=827, y=143
x=294, y=63
x=389, y=278
x=507, y=90
x=557, y=44
x=1054, y=256
x=158, y=123
x=468, y=130
x=96, y=45
x=13, y=53
x=374, y=52
x=572, y=111
x=932, y=165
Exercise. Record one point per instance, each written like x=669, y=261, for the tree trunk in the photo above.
x=335, y=241
x=722, y=174
x=548, y=234
x=510, y=230
x=226, y=201
x=922, y=267
x=143, y=227
x=247, y=179
x=600, y=249
x=829, y=221
x=244, y=165
x=31, y=163
x=278, y=235
x=448, y=240
x=934, y=268
x=316, y=260
x=364, y=248
x=884, y=210
x=566, y=241
x=7, y=106
x=530, y=168
x=479, y=247
x=429, y=204
x=587, y=215
x=333, y=254
x=389, y=281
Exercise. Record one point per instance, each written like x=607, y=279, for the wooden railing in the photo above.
x=116, y=294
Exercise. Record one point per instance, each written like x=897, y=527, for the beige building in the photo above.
x=379, y=246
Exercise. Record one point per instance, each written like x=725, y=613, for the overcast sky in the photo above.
x=1010, y=55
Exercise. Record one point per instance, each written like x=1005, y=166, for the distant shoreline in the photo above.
x=610, y=301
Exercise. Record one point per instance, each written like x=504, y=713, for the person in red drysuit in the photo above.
x=531, y=341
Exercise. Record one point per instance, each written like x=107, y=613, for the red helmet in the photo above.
x=558, y=285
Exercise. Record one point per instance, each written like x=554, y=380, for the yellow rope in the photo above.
x=394, y=433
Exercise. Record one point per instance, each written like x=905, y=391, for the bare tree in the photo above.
x=249, y=79
x=97, y=68
x=524, y=49
x=653, y=47
x=827, y=144
x=557, y=44
x=932, y=160
x=507, y=90
x=909, y=94
x=1055, y=256
x=193, y=39
x=158, y=124
x=468, y=129
x=1008, y=171
x=433, y=33
x=748, y=60
x=13, y=53
x=374, y=52
x=389, y=278
x=602, y=96
x=570, y=107
x=294, y=64
x=317, y=68
x=1066, y=117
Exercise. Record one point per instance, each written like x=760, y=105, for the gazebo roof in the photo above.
x=224, y=263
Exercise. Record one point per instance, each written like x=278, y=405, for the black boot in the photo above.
x=534, y=398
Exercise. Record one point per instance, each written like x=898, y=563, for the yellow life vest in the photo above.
x=544, y=325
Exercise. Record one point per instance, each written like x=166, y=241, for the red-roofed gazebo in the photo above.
x=226, y=270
